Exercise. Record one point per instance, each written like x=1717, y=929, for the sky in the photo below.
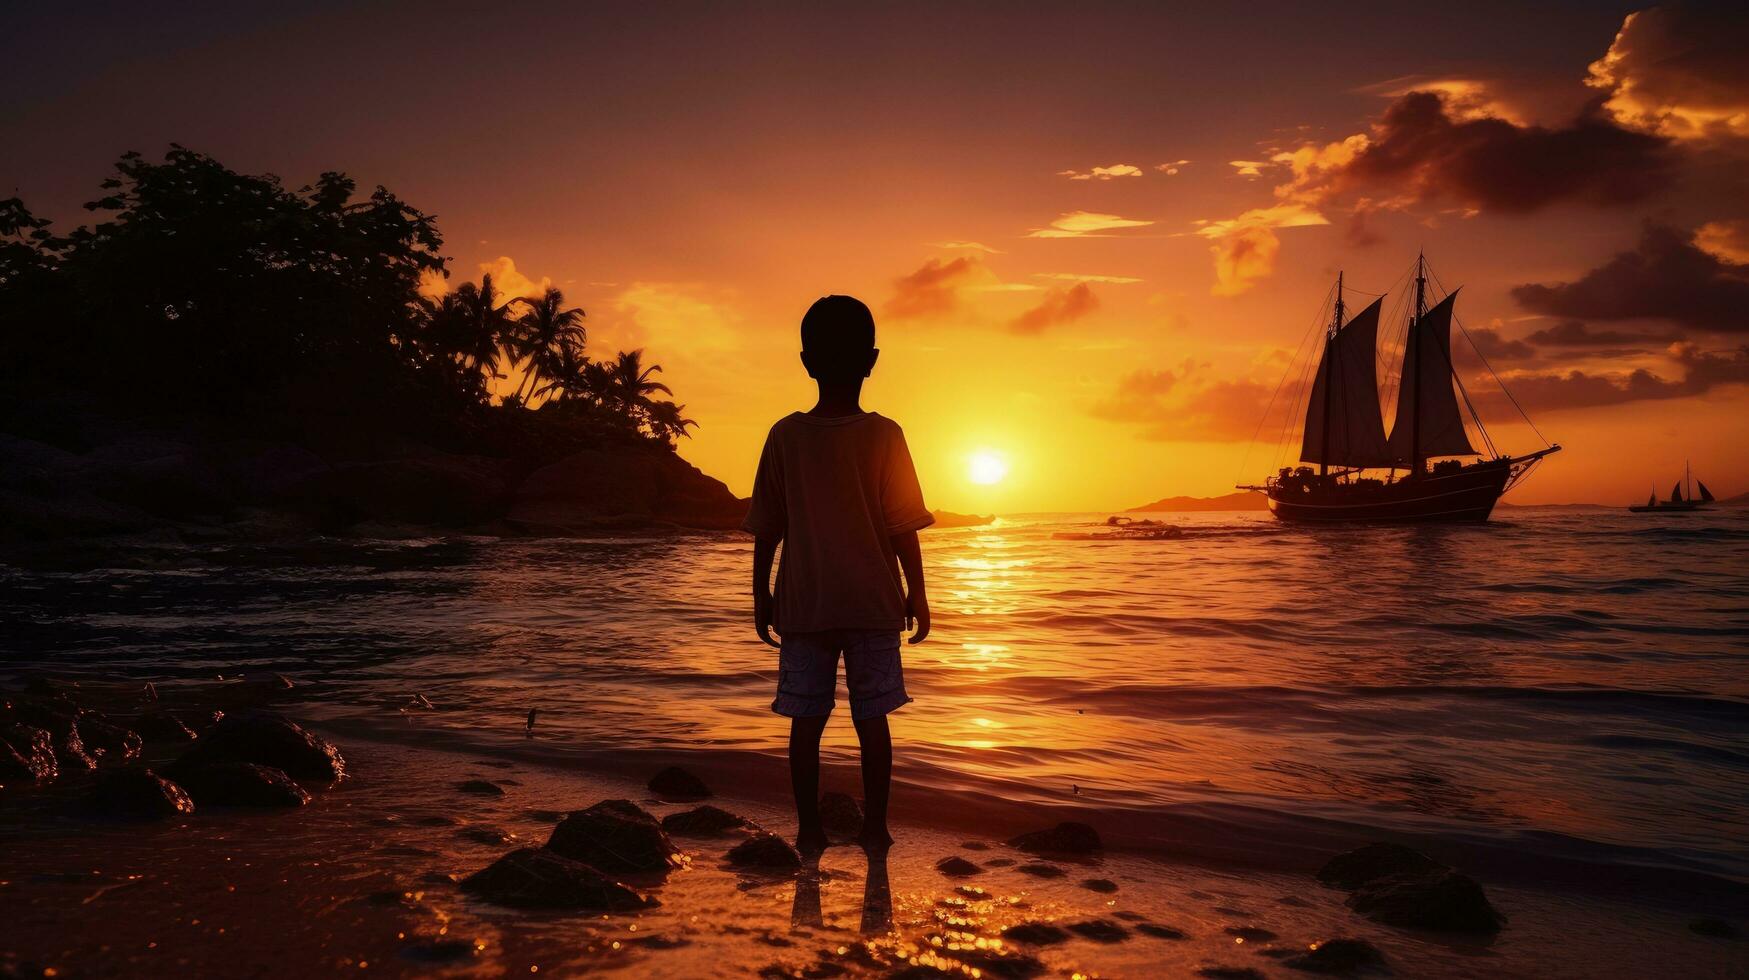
x=1093, y=236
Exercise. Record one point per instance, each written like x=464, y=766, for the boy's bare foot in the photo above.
x=811, y=843
x=875, y=841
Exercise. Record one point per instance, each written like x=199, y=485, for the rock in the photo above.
x=533, y=877
x=675, y=783
x=957, y=867
x=702, y=821
x=52, y=713
x=1100, y=930
x=241, y=784
x=841, y=815
x=1064, y=838
x=1005, y=964
x=110, y=743
x=1159, y=931
x=1231, y=973
x=439, y=951
x=445, y=490
x=765, y=851
x=158, y=726
x=1041, y=870
x=488, y=835
x=1717, y=928
x=27, y=755
x=267, y=739
x=1351, y=869
x=615, y=836
x=1250, y=934
x=1444, y=900
x=1104, y=886
x=617, y=485
x=1035, y=934
x=1338, y=956
x=71, y=753
x=480, y=787
x=138, y=794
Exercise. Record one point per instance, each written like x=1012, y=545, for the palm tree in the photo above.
x=666, y=422
x=546, y=333
x=567, y=373
x=629, y=385
x=485, y=325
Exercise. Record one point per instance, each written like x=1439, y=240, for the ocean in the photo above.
x=1565, y=688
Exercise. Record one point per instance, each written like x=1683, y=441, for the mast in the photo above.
x=1415, y=409
x=1329, y=358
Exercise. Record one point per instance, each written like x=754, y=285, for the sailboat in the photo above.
x=1344, y=433
x=1679, y=502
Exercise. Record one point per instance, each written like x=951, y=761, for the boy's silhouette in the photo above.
x=837, y=488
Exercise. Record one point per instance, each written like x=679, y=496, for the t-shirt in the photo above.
x=836, y=490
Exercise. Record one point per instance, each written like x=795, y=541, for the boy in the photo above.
x=837, y=488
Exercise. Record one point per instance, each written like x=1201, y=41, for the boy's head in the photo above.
x=838, y=336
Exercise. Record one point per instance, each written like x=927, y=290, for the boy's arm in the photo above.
x=916, y=597
x=764, y=549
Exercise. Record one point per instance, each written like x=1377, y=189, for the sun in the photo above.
x=985, y=467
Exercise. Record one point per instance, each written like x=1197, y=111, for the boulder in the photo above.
x=1442, y=900
x=840, y=815
x=109, y=743
x=241, y=784
x=596, y=485
x=267, y=739
x=1351, y=869
x=27, y=755
x=703, y=821
x=538, y=878
x=450, y=491
x=1159, y=931
x=480, y=787
x=137, y=794
x=72, y=754
x=1338, y=956
x=1100, y=930
x=1039, y=869
x=957, y=867
x=1104, y=886
x=765, y=851
x=675, y=783
x=158, y=726
x=1065, y=838
x=1035, y=934
x=615, y=836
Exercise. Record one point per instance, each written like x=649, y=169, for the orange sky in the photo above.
x=1090, y=242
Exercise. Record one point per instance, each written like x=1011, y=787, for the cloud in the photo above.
x=1171, y=167
x=511, y=282
x=1103, y=173
x=1430, y=147
x=1556, y=391
x=1728, y=241
x=1181, y=405
x=677, y=321
x=1494, y=347
x=934, y=288
x=1077, y=277
x=1059, y=306
x=1248, y=168
x=973, y=246
x=1245, y=247
x=1666, y=276
x=1574, y=333
x=1085, y=224
x=1678, y=71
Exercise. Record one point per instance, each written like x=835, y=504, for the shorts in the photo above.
x=807, y=679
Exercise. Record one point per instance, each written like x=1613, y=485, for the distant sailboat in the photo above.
x=1344, y=429
x=1678, y=502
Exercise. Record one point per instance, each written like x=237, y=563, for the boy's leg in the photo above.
x=804, y=779
x=877, y=780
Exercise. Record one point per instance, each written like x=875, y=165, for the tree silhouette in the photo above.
x=546, y=334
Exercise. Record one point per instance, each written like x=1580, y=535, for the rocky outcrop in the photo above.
x=137, y=794
x=266, y=739
x=241, y=784
x=616, y=836
x=27, y=755
x=441, y=490
x=615, y=486
x=540, y=878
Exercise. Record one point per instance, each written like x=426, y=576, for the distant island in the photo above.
x=1240, y=500
x=947, y=518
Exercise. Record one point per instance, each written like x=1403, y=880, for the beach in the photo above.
x=1229, y=711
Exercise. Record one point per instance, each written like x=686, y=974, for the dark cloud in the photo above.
x=1574, y=333
x=1058, y=306
x=1421, y=151
x=1179, y=406
x=1665, y=277
x=933, y=288
x=1678, y=69
x=1496, y=348
x=1554, y=391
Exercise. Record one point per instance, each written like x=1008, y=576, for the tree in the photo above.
x=666, y=421
x=547, y=332
x=629, y=385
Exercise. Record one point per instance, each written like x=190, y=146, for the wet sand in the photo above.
x=364, y=880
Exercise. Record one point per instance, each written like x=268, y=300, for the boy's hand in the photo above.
x=917, y=614
x=762, y=603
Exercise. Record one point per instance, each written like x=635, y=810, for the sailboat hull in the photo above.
x=1457, y=496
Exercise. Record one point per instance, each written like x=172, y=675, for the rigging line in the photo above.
x=1282, y=442
x=1504, y=390
x=1285, y=372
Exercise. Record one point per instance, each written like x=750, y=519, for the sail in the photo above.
x=1706, y=496
x=1676, y=494
x=1652, y=501
x=1357, y=430
x=1427, y=377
